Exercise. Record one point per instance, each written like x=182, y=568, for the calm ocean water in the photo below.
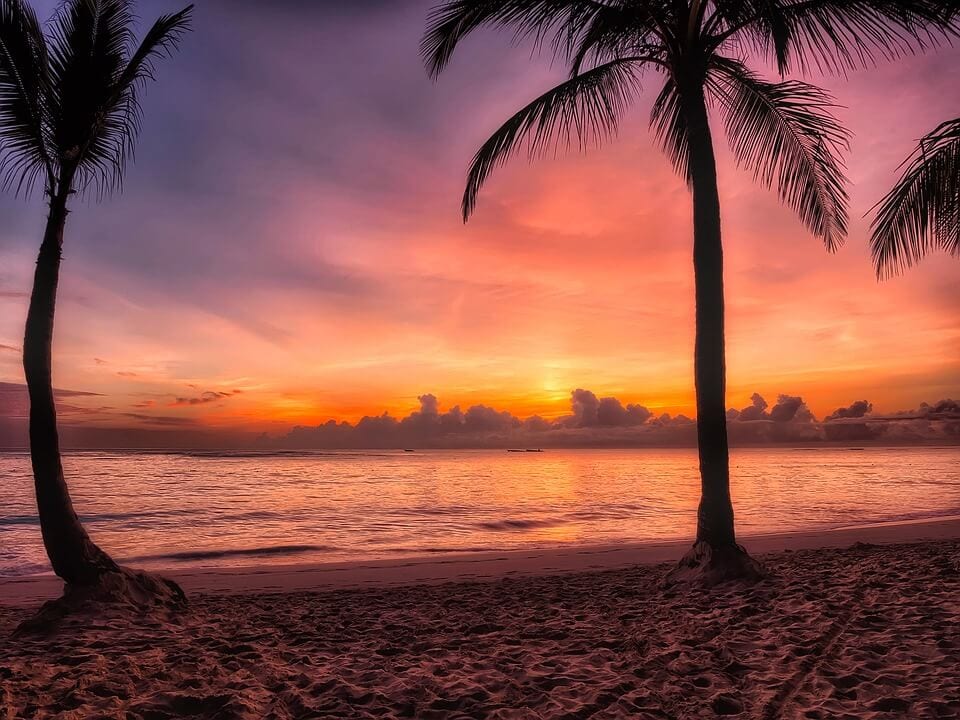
x=163, y=510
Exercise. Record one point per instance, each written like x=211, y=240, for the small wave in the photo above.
x=23, y=571
x=620, y=512
x=919, y=515
x=240, y=552
x=519, y=524
x=268, y=454
x=439, y=550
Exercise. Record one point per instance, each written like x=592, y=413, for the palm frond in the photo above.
x=834, y=36
x=669, y=123
x=634, y=28
x=451, y=21
x=116, y=139
x=761, y=25
x=160, y=41
x=787, y=135
x=922, y=211
x=588, y=107
x=24, y=85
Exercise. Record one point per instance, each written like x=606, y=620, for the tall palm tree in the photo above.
x=922, y=211
x=69, y=118
x=783, y=132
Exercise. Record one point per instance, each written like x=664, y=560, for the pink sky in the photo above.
x=289, y=250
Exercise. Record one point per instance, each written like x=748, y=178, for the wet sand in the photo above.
x=869, y=631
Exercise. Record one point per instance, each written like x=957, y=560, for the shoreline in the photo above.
x=487, y=566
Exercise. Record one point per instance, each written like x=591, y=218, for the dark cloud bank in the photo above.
x=593, y=422
x=606, y=422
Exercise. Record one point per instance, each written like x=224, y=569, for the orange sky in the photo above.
x=305, y=260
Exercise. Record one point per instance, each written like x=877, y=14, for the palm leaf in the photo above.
x=669, y=123
x=763, y=25
x=839, y=35
x=785, y=133
x=160, y=41
x=635, y=28
x=588, y=106
x=922, y=211
x=833, y=36
x=116, y=139
x=451, y=21
x=24, y=85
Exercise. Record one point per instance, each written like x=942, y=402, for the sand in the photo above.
x=869, y=631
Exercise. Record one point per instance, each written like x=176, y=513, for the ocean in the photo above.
x=180, y=509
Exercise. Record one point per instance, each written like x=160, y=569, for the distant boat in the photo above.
x=525, y=451
x=406, y=450
x=535, y=450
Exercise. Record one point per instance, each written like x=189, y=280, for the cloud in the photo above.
x=207, y=397
x=585, y=407
x=790, y=408
x=755, y=411
x=937, y=422
x=943, y=410
x=15, y=400
x=161, y=420
x=855, y=410
x=594, y=421
x=9, y=348
x=665, y=420
x=607, y=422
x=591, y=411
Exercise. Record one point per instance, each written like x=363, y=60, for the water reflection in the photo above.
x=209, y=509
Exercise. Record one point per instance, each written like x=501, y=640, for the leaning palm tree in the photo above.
x=783, y=132
x=69, y=116
x=922, y=211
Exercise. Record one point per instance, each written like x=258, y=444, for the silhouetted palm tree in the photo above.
x=922, y=211
x=782, y=131
x=69, y=117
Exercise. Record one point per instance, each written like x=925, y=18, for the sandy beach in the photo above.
x=840, y=630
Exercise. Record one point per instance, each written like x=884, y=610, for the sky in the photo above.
x=288, y=249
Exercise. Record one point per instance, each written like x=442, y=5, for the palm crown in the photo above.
x=69, y=109
x=783, y=132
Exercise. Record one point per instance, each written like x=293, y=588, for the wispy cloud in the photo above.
x=207, y=397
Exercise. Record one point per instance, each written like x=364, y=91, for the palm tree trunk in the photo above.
x=73, y=555
x=715, y=556
x=715, y=515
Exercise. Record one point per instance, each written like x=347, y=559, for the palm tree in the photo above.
x=922, y=211
x=69, y=117
x=783, y=132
